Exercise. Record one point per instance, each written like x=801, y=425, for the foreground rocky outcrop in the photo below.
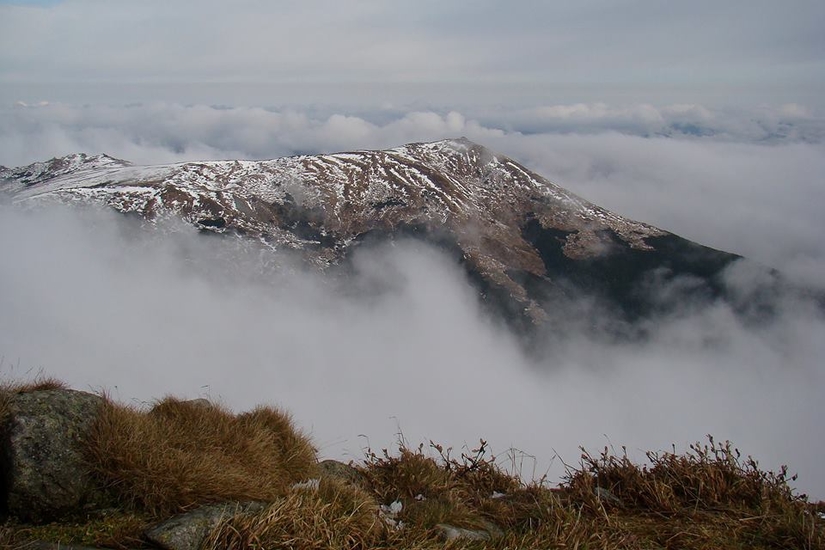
x=45, y=477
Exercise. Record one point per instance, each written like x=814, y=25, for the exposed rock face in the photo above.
x=524, y=241
x=44, y=475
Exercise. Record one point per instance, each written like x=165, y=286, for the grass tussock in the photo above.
x=709, y=477
x=10, y=388
x=707, y=498
x=711, y=484
x=326, y=515
x=181, y=454
x=39, y=383
x=437, y=488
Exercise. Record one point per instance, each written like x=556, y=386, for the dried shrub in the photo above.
x=710, y=484
x=708, y=477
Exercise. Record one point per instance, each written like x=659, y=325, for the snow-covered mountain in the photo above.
x=523, y=240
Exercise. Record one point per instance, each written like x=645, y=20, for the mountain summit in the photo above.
x=524, y=241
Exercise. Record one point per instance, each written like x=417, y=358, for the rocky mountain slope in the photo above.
x=524, y=241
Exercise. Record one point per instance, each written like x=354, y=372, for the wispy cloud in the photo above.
x=162, y=132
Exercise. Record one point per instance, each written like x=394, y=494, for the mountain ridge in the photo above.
x=523, y=240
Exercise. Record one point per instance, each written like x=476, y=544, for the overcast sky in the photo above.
x=703, y=118
x=759, y=48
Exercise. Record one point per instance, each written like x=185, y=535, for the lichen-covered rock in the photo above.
x=188, y=531
x=44, y=473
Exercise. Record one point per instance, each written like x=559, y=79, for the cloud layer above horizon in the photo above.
x=740, y=43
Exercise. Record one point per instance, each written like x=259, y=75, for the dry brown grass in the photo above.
x=657, y=505
x=328, y=515
x=712, y=476
x=40, y=383
x=711, y=486
x=431, y=489
x=470, y=492
x=7, y=536
x=182, y=454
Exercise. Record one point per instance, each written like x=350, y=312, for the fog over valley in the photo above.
x=403, y=346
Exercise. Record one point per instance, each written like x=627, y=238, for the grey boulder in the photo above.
x=188, y=531
x=41, y=451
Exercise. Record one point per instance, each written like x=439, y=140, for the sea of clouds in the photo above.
x=88, y=298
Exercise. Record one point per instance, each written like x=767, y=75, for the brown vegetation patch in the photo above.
x=712, y=490
x=329, y=514
x=182, y=454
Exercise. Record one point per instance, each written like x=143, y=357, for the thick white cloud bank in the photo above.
x=87, y=299
x=159, y=132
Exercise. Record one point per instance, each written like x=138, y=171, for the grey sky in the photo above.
x=764, y=44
